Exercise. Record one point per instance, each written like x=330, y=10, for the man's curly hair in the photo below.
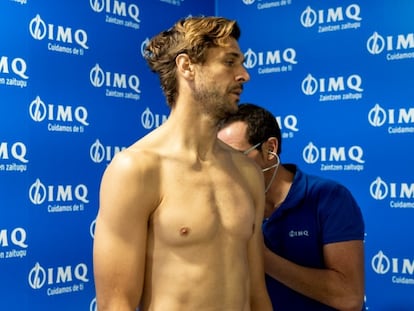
x=192, y=36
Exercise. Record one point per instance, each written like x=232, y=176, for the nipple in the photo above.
x=184, y=231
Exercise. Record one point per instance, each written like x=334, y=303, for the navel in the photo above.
x=184, y=231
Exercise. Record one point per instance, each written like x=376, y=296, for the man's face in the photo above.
x=219, y=81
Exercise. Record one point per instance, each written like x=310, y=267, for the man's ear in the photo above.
x=184, y=66
x=271, y=145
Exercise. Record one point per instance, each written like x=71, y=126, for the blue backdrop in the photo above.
x=74, y=90
x=339, y=76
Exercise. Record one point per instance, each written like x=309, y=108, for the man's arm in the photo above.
x=340, y=285
x=259, y=297
x=126, y=200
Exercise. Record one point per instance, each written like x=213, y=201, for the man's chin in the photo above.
x=235, y=106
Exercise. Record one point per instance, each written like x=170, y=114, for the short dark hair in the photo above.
x=261, y=124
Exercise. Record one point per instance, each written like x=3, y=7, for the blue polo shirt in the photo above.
x=315, y=212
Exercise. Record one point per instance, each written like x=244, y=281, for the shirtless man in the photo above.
x=180, y=212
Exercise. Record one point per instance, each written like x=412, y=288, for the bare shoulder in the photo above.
x=133, y=161
x=131, y=180
x=247, y=167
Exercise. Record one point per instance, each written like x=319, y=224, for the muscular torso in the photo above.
x=198, y=237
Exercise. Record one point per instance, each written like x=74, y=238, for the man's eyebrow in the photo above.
x=236, y=55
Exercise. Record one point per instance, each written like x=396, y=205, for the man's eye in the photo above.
x=230, y=62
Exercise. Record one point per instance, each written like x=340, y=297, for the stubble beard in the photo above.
x=213, y=102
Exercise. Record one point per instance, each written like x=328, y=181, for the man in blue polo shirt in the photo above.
x=313, y=227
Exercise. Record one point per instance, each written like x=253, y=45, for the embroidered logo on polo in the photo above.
x=332, y=19
x=298, y=233
x=61, y=39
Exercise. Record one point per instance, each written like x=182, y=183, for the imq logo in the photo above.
x=13, y=151
x=93, y=305
x=312, y=154
x=92, y=228
x=377, y=43
x=401, y=269
x=17, y=66
x=40, y=276
x=380, y=190
x=288, y=122
x=15, y=237
x=270, y=59
x=288, y=125
x=311, y=85
x=39, y=112
x=149, y=120
x=40, y=193
x=144, y=44
x=311, y=17
x=99, y=152
x=99, y=78
x=399, y=121
x=40, y=30
x=116, y=8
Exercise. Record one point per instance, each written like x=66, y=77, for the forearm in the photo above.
x=327, y=286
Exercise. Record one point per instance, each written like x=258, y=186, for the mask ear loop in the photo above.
x=276, y=166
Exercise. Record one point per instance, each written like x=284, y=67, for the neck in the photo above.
x=192, y=131
x=279, y=189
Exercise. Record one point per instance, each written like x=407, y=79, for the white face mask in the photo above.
x=246, y=152
x=276, y=166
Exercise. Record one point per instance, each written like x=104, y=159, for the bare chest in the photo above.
x=203, y=205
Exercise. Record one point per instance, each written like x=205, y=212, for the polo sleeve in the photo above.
x=339, y=215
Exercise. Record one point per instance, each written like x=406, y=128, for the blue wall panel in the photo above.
x=339, y=77
x=74, y=90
